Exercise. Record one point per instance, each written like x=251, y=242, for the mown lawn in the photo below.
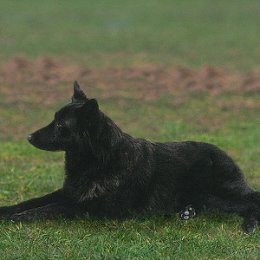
x=27, y=172
x=121, y=33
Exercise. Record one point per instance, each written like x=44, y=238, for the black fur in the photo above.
x=109, y=173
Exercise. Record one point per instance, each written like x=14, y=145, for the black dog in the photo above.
x=111, y=174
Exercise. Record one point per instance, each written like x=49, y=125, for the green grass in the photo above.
x=122, y=32
x=27, y=172
x=156, y=238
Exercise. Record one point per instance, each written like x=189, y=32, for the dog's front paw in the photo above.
x=188, y=213
x=5, y=212
x=21, y=217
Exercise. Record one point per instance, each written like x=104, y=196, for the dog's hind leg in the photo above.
x=248, y=210
x=187, y=213
x=47, y=212
x=189, y=201
x=254, y=197
x=252, y=218
x=250, y=222
x=53, y=197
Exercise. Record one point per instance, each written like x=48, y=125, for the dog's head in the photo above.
x=69, y=124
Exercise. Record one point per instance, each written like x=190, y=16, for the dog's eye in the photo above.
x=60, y=126
x=63, y=131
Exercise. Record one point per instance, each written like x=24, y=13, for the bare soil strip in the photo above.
x=26, y=83
x=151, y=80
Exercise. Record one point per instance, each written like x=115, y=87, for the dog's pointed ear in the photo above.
x=90, y=108
x=78, y=95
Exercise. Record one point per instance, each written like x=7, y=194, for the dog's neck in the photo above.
x=95, y=148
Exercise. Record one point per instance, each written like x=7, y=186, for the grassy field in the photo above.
x=179, y=32
x=127, y=34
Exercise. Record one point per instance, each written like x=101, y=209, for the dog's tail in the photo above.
x=252, y=216
x=254, y=197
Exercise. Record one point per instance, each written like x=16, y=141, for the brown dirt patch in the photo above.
x=146, y=81
x=26, y=83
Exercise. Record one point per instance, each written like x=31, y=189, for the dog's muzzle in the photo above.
x=29, y=138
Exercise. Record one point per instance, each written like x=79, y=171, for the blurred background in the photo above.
x=169, y=32
x=163, y=70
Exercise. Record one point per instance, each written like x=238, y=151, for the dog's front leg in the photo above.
x=47, y=212
x=53, y=197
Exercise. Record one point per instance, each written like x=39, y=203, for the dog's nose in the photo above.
x=29, y=138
